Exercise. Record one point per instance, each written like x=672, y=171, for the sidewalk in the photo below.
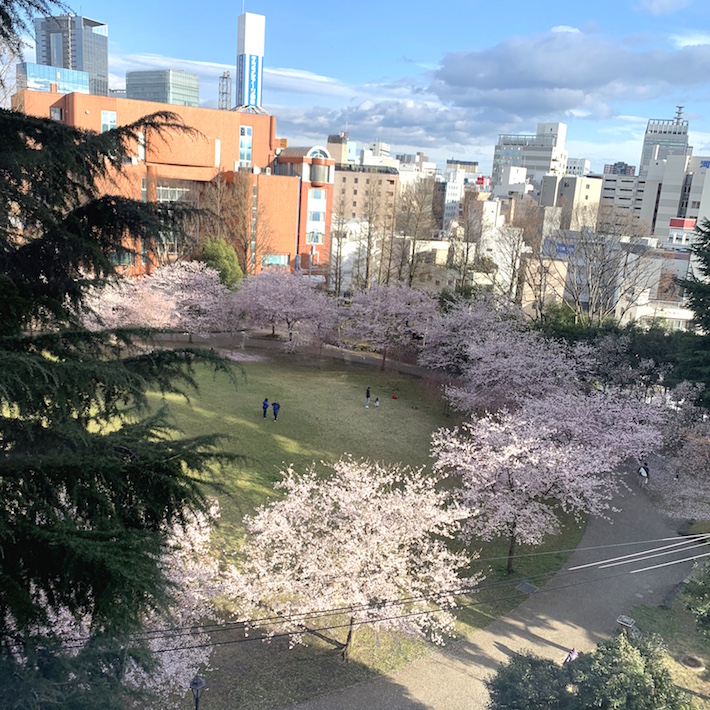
x=574, y=609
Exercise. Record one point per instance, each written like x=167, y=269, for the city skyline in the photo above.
x=445, y=82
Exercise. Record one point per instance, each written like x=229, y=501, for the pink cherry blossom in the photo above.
x=367, y=539
x=389, y=318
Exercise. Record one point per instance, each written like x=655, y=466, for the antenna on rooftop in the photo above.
x=225, y=92
x=679, y=113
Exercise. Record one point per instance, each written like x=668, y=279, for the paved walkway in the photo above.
x=575, y=608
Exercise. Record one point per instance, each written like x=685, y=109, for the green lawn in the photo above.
x=323, y=416
x=676, y=625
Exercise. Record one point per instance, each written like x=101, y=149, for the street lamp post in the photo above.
x=197, y=686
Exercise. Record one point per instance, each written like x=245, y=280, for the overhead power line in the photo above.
x=315, y=615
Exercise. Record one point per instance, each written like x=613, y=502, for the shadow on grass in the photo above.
x=266, y=676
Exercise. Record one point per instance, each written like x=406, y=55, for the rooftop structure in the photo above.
x=250, y=58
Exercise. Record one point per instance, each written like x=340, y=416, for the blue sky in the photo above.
x=444, y=78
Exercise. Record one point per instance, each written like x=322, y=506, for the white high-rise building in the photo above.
x=664, y=138
x=540, y=154
x=250, y=59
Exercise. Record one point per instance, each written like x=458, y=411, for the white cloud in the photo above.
x=565, y=72
x=693, y=39
x=565, y=28
x=662, y=7
x=304, y=82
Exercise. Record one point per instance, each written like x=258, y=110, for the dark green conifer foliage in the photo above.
x=620, y=673
x=90, y=478
x=697, y=286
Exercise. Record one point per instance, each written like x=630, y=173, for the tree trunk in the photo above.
x=349, y=641
x=511, y=550
x=384, y=360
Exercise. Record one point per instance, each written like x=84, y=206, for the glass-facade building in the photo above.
x=74, y=42
x=167, y=86
x=39, y=77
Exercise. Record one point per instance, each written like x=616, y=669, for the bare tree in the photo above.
x=465, y=243
x=542, y=271
x=230, y=201
x=338, y=234
x=416, y=219
x=8, y=66
x=372, y=214
x=508, y=251
x=608, y=269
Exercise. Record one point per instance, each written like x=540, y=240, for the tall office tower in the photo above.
x=250, y=58
x=167, y=86
x=74, y=42
x=664, y=138
x=540, y=154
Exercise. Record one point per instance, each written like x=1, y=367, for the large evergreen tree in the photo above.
x=90, y=478
x=697, y=286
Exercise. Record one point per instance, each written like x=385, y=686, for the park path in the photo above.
x=575, y=608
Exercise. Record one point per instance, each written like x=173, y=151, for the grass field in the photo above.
x=676, y=626
x=323, y=416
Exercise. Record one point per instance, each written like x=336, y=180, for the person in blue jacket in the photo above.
x=265, y=406
x=276, y=406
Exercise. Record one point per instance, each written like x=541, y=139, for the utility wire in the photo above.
x=303, y=617
x=333, y=627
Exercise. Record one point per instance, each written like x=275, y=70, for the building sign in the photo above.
x=705, y=163
x=253, y=89
x=249, y=80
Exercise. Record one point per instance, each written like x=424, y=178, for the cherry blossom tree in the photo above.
x=175, y=631
x=186, y=295
x=195, y=299
x=510, y=367
x=199, y=583
x=368, y=540
x=389, y=318
x=464, y=323
x=619, y=426
x=518, y=470
x=273, y=298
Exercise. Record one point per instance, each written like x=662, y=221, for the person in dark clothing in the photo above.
x=644, y=475
x=265, y=406
x=276, y=406
x=367, y=397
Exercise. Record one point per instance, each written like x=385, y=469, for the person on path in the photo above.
x=276, y=406
x=367, y=398
x=265, y=406
x=571, y=656
x=644, y=475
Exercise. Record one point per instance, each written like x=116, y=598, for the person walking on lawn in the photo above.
x=265, y=406
x=276, y=406
x=367, y=398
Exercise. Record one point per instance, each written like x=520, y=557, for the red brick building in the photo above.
x=292, y=188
